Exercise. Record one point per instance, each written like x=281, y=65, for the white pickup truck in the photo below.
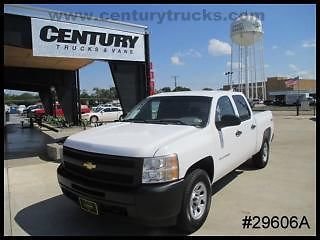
x=157, y=164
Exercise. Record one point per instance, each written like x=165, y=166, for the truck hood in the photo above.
x=128, y=138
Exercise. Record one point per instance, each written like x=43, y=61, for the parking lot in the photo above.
x=34, y=204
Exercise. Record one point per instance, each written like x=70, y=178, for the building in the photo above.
x=241, y=88
x=277, y=90
x=40, y=57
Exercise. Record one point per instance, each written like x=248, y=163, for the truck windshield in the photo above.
x=180, y=110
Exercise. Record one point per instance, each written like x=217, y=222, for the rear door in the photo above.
x=115, y=113
x=246, y=130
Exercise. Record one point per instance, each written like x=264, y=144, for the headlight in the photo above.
x=160, y=169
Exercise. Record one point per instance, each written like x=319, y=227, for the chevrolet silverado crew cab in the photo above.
x=157, y=165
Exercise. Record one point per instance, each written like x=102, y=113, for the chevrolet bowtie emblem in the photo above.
x=89, y=165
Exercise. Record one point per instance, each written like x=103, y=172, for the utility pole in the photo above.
x=228, y=74
x=298, y=100
x=175, y=81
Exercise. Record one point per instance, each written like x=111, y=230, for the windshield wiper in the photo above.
x=168, y=121
x=138, y=120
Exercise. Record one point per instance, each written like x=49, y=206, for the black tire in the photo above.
x=188, y=222
x=94, y=119
x=261, y=159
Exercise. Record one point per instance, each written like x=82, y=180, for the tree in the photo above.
x=165, y=89
x=21, y=99
x=113, y=93
x=207, y=89
x=84, y=94
x=180, y=89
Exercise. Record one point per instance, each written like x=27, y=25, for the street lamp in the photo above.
x=53, y=92
x=228, y=76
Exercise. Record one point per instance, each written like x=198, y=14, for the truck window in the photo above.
x=154, y=109
x=187, y=110
x=242, y=106
x=224, y=107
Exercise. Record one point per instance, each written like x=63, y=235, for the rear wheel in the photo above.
x=94, y=119
x=260, y=160
x=196, y=202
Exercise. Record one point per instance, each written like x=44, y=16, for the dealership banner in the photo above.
x=60, y=39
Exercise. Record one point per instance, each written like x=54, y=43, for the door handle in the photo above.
x=253, y=126
x=238, y=133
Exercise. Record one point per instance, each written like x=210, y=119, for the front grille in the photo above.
x=109, y=170
x=106, y=208
x=86, y=190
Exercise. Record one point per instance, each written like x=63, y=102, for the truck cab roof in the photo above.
x=213, y=94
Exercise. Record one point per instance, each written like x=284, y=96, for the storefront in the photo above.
x=41, y=54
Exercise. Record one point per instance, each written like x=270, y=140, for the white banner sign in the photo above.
x=59, y=39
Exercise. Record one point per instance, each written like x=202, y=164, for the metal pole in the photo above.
x=231, y=80
x=239, y=69
x=175, y=81
x=231, y=62
x=298, y=100
x=54, y=104
x=228, y=80
x=246, y=71
x=262, y=65
x=255, y=69
x=147, y=65
x=78, y=104
x=251, y=71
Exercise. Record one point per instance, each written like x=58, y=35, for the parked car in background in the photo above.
x=256, y=100
x=85, y=109
x=30, y=109
x=40, y=112
x=100, y=106
x=103, y=114
x=279, y=102
x=21, y=108
x=268, y=102
x=58, y=112
x=13, y=109
x=251, y=102
x=312, y=101
x=6, y=108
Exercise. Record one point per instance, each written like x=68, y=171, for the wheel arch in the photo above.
x=94, y=116
x=206, y=164
x=266, y=135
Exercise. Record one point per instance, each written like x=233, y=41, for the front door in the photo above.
x=228, y=144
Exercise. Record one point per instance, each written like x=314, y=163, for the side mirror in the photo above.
x=228, y=120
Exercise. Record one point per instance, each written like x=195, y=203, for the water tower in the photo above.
x=247, y=56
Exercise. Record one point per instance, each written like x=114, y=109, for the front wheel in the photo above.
x=260, y=160
x=196, y=202
x=94, y=119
